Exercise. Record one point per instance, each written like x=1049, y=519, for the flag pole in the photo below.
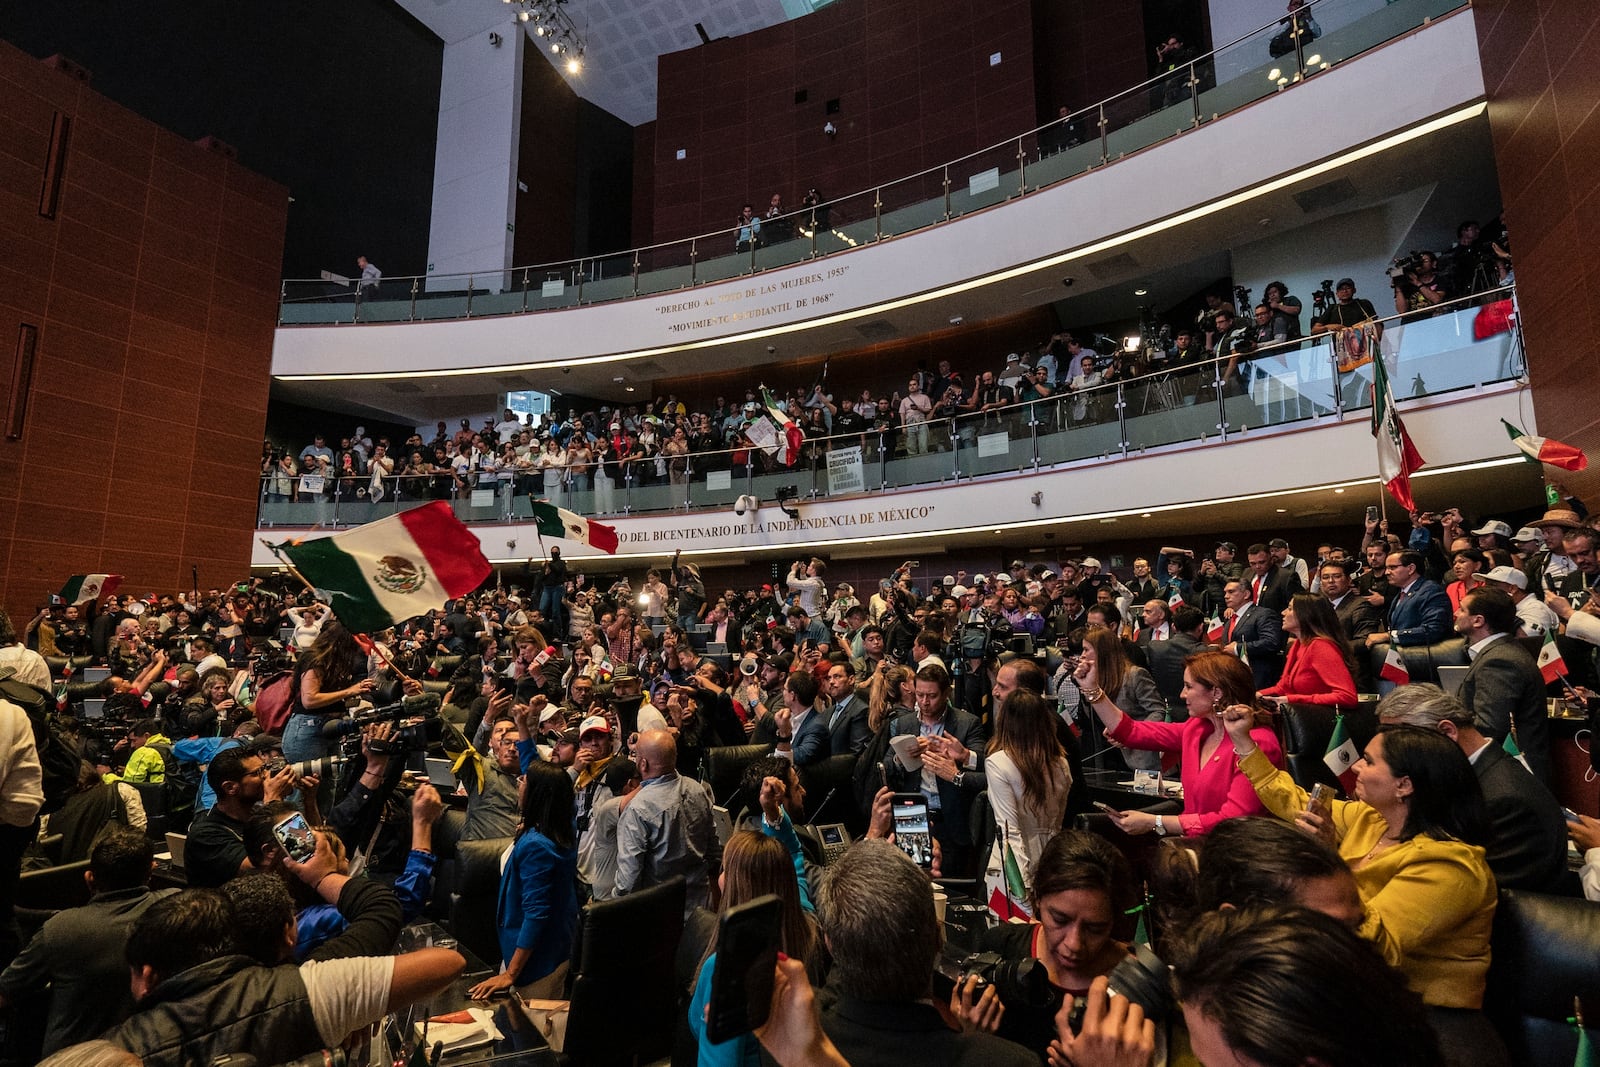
x=290, y=567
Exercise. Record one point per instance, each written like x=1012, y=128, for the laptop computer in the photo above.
x=1450, y=678
x=94, y=709
x=175, y=843
x=96, y=674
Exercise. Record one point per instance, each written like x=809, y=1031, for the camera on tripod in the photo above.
x=1241, y=299
x=1323, y=296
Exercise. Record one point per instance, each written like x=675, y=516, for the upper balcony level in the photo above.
x=1163, y=172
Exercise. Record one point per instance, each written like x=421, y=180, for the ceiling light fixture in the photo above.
x=552, y=25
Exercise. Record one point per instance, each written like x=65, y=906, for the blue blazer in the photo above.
x=538, y=905
x=811, y=744
x=1421, y=617
x=1261, y=633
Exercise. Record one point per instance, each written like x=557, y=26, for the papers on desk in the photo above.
x=462, y=1035
x=905, y=747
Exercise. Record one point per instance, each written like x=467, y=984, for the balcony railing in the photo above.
x=1465, y=345
x=1162, y=107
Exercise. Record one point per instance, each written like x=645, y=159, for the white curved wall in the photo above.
x=1282, y=137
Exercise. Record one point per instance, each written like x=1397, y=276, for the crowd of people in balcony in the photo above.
x=1006, y=684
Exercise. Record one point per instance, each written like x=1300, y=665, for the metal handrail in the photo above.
x=574, y=267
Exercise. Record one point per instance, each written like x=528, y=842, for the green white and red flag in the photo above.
x=790, y=436
x=391, y=570
x=82, y=588
x=1394, y=668
x=1342, y=756
x=1546, y=450
x=1398, y=458
x=1551, y=665
x=559, y=522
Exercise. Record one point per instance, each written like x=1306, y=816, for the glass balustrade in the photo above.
x=1463, y=345
x=1267, y=61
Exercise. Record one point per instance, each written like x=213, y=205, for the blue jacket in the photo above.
x=811, y=744
x=1422, y=616
x=538, y=906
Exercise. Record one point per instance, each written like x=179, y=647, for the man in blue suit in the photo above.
x=804, y=736
x=1420, y=612
x=1255, y=632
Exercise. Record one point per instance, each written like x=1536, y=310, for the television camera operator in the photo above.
x=982, y=634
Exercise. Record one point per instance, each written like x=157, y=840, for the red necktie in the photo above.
x=1255, y=590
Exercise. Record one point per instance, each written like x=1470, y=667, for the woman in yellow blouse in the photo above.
x=1412, y=836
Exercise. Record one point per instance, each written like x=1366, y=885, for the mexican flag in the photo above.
x=1551, y=665
x=789, y=435
x=390, y=570
x=1342, y=756
x=1394, y=668
x=1397, y=456
x=1544, y=450
x=1176, y=599
x=559, y=522
x=1215, y=629
x=82, y=588
x=1008, y=893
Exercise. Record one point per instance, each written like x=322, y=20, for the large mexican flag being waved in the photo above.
x=391, y=570
x=1397, y=456
x=790, y=436
x=1547, y=450
x=82, y=588
x=559, y=522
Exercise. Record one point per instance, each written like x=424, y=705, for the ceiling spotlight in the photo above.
x=574, y=65
x=1140, y=292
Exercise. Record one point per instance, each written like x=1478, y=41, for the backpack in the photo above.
x=180, y=785
x=274, y=701
x=58, y=756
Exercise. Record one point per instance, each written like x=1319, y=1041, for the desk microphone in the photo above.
x=814, y=815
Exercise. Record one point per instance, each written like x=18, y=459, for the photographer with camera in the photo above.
x=981, y=635
x=216, y=846
x=1418, y=286
x=1234, y=344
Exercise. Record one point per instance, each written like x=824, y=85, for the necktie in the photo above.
x=1255, y=590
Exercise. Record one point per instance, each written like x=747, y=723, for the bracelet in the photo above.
x=1161, y=826
x=1094, y=696
x=1247, y=753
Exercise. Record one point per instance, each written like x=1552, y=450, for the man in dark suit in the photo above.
x=1503, y=688
x=1527, y=829
x=1255, y=631
x=802, y=729
x=1166, y=657
x=1419, y=612
x=877, y=914
x=1270, y=586
x=1358, y=617
x=950, y=746
x=844, y=712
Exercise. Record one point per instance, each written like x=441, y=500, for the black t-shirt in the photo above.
x=215, y=849
x=1357, y=311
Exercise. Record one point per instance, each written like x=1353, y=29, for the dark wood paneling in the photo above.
x=163, y=256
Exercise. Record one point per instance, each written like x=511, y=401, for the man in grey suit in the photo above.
x=1166, y=657
x=1503, y=688
x=1358, y=617
x=844, y=712
x=1527, y=831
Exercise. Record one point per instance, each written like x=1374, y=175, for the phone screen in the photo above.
x=747, y=953
x=831, y=835
x=911, y=830
x=294, y=834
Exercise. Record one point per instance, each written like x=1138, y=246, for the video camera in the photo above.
x=1024, y=984
x=412, y=711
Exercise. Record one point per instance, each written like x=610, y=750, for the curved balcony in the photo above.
x=1168, y=106
x=1182, y=419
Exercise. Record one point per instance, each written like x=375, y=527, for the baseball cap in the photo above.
x=959, y=591
x=264, y=743
x=551, y=711
x=592, y=724
x=949, y=580
x=979, y=579
x=1277, y=542
x=568, y=736
x=1017, y=563
x=1493, y=526
x=1090, y=561
x=1346, y=283
x=1527, y=533
x=624, y=672
x=1047, y=574
x=1229, y=545
x=1505, y=575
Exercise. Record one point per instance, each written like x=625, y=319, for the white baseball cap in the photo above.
x=1493, y=526
x=1505, y=576
x=594, y=723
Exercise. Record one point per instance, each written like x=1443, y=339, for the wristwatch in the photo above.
x=961, y=776
x=1161, y=827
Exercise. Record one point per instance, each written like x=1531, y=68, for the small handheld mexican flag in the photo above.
x=559, y=522
x=1008, y=893
x=391, y=570
x=1342, y=756
x=1215, y=629
x=82, y=588
x=1546, y=450
x=789, y=434
x=1551, y=665
x=1176, y=599
x=1394, y=668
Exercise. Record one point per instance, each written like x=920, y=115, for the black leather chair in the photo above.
x=154, y=798
x=833, y=775
x=725, y=766
x=1544, y=951
x=1422, y=661
x=616, y=1018
x=474, y=892
x=1305, y=731
x=54, y=888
